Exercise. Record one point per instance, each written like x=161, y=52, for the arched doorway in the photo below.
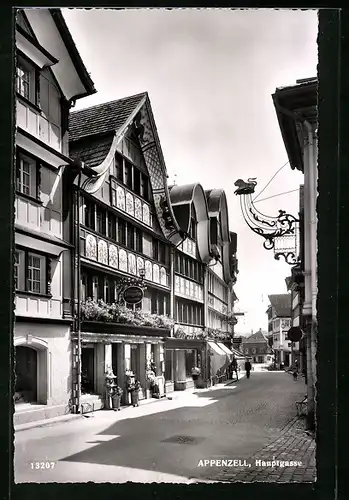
x=26, y=385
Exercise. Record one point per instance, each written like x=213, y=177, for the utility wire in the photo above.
x=265, y=187
x=280, y=194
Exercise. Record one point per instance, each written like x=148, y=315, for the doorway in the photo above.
x=87, y=369
x=26, y=387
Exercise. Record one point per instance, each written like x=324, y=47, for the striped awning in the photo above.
x=224, y=348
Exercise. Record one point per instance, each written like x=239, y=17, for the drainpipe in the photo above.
x=312, y=222
x=78, y=291
x=173, y=283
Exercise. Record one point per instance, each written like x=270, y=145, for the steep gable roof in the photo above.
x=281, y=303
x=255, y=338
x=102, y=118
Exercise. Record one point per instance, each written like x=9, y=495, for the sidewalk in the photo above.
x=175, y=395
x=293, y=444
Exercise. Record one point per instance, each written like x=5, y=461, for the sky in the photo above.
x=210, y=74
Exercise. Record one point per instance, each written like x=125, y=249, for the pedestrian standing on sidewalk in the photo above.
x=234, y=365
x=248, y=367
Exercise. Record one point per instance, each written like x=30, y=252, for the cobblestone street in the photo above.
x=293, y=444
x=164, y=441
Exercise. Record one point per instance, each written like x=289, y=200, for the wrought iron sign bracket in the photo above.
x=269, y=228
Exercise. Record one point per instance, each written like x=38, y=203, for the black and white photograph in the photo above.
x=165, y=245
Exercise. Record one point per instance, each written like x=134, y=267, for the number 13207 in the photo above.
x=42, y=465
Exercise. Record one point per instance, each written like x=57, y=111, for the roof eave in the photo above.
x=284, y=102
x=74, y=54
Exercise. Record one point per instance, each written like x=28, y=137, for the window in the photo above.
x=50, y=103
x=25, y=80
x=139, y=241
x=119, y=167
x=90, y=214
x=136, y=181
x=101, y=219
x=155, y=249
x=128, y=174
x=145, y=187
x=112, y=226
x=26, y=176
x=19, y=273
x=31, y=272
x=130, y=237
x=36, y=273
x=192, y=230
x=162, y=252
x=160, y=302
x=122, y=232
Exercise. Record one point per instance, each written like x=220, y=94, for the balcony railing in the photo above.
x=188, y=246
x=189, y=289
x=109, y=254
x=125, y=200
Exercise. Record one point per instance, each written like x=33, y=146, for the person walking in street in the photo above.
x=248, y=368
x=234, y=368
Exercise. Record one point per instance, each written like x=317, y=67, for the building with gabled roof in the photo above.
x=50, y=77
x=256, y=347
x=130, y=220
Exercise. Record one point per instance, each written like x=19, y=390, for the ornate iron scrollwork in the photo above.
x=270, y=228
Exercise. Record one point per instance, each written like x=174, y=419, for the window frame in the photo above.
x=45, y=272
x=23, y=63
x=34, y=175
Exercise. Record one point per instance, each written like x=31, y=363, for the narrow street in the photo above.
x=165, y=440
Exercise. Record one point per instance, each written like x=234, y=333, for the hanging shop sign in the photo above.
x=133, y=295
x=295, y=334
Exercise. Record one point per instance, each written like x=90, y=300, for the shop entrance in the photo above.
x=87, y=370
x=26, y=375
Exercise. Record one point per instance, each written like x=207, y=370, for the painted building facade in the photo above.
x=50, y=76
x=130, y=221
